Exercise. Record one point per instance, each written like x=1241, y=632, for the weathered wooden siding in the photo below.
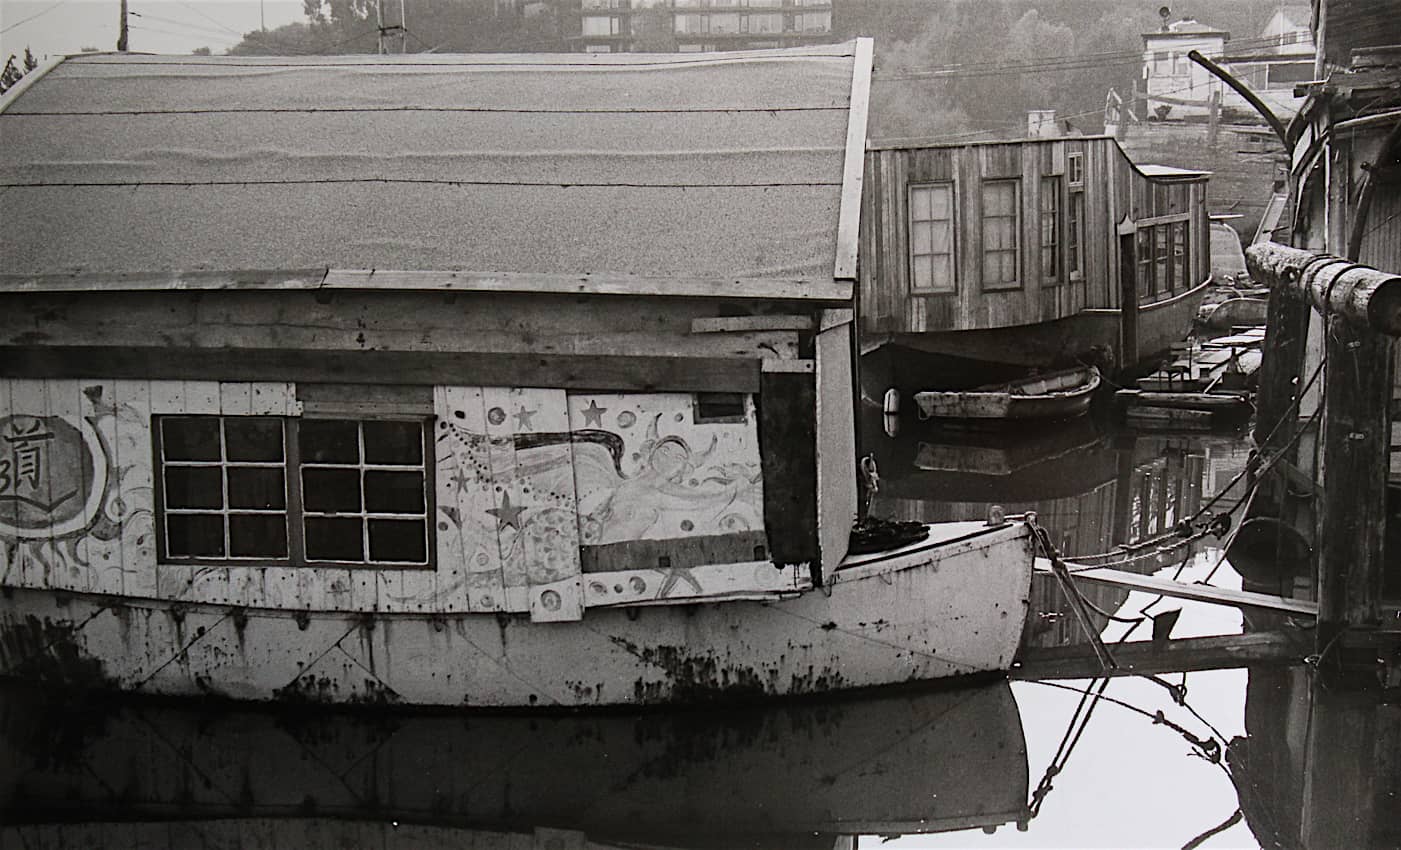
x=1113, y=189
x=529, y=484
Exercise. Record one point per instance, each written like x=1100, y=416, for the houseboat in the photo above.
x=1036, y=253
x=505, y=381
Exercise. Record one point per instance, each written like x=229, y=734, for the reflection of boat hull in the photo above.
x=911, y=762
x=949, y=606
x=1055, y=460
x=1058, y=395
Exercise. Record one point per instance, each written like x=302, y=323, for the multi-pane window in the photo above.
x=1050, y=229
x=1075, y=233
x=1000, y=233
x=293, y=491
x=1144, y=250
x=1162, y=247
x=931, y=238
x=1075, y=168
x=1179, y=253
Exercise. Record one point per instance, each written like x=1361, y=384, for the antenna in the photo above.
x=1164, y=13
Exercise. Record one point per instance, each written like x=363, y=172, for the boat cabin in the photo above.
x=515, y=334
x=1031, y=252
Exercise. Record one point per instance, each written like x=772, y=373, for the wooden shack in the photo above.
x=1030, y=252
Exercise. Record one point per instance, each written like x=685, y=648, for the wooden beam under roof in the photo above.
x=603, y=283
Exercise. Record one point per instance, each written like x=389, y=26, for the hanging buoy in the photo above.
x=892, y=402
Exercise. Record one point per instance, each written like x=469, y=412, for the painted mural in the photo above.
x=528, y=477
x=68, y=507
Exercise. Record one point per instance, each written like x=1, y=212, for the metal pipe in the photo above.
x=1242, y=90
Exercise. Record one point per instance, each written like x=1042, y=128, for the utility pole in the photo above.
x=122, y=32
x=401, y=28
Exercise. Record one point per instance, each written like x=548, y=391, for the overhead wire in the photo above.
x=37, y=14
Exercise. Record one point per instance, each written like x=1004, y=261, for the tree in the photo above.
x=15, y=70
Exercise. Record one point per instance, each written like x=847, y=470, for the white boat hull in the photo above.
x=950, y=606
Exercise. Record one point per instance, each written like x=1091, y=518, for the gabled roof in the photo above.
x=711, y=165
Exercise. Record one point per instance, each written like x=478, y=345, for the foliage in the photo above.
x=15, y=70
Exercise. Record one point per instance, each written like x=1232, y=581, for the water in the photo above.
x=941, y=767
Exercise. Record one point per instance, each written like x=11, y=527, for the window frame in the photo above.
x=911, y=256
x=295, y=511
x=1050, y=188
x=1075, y=233
x=1016, y=226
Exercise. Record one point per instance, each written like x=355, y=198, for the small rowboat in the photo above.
x=1057, y=395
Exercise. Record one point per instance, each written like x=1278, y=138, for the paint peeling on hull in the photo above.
x=938, y=617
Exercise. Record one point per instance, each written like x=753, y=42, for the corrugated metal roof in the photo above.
x=724, y=165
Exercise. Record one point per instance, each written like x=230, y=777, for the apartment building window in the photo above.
x=932, y=238
x=1050, y=229
x=1000, y=245
x=293, y=491
x=600, y=25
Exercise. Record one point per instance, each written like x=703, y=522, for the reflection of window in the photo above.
x=999, y=233
x=931, y=238
x=1050, y=228
x=293, y=491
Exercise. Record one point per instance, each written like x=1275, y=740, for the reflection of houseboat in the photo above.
x=515, y=468
x=1036, y=252
x=792, y=774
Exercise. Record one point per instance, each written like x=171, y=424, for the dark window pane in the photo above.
x=190, y=437
x=329, y=441
x=258, y=535
x=401, y=540
x=331, y=490
x=394, y=492
x=711, y=407
x=253, y=438
x=194, y=487
x=333, y=539
x=393, y=442
x=258, y=487
x=190, y=535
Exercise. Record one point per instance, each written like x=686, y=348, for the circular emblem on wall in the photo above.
x=53, y=475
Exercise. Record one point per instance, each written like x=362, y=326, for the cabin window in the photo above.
x=1075, y=168
x=712, y=408
x=1075, y=235
x=931, y=238
x=1162, y=255
x=1144, y=249
x=1050, y=229
x=1000, y=248
x=293, y=491
x=1179, y=254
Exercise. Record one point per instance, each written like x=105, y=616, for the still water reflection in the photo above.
x=1226, y=758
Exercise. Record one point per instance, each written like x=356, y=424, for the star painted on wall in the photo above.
x=508, y=515
x=593, y=414
x=523, y=417
x=461, y=481
x=671, y=576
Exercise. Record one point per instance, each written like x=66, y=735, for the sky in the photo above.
x=57, y=27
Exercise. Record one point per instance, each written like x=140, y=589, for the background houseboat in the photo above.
x=488, y=380
x=1037, y=252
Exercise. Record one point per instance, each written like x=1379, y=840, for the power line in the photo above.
x=43, y=11
x=317, y=181
x=235, y=110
